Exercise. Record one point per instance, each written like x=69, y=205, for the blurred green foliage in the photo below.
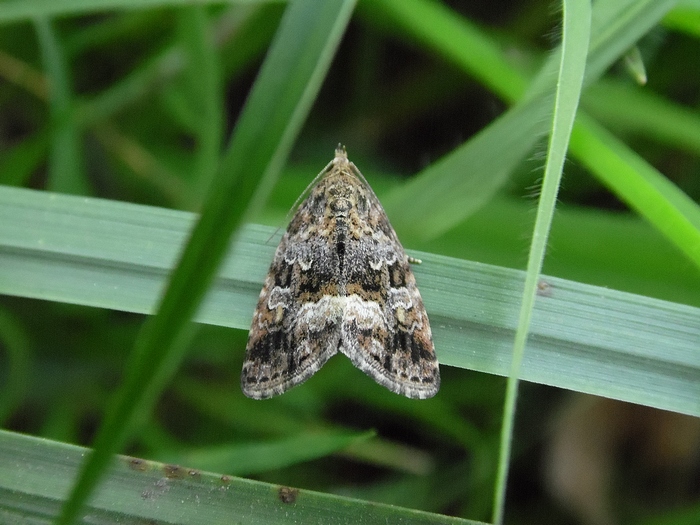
x=123, y=105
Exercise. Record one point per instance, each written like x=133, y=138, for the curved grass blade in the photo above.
x=640, y=185
x=459, y=183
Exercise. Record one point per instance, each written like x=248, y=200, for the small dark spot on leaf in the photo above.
x=174, y=471
x=287, y=494
x=137, y=464
x=544, y=289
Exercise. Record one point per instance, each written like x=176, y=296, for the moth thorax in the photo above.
x=340, y=205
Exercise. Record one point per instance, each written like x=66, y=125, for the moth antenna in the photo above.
x=340, y=152
x=308, y=188
x=303, y=195
x=273, y=234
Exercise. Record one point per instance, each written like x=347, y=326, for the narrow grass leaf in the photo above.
x=16, y=363
x=280, y=99
x=205, y=100
x=684, y=18
x=454, y=37
x=616, y=27
x=66, y=172
x=204, y=95
x=641, y=186
x=634, y=63
x=245, y=459
x=18, y=163
x=639, y=111
x=230, y=408
x=574, y=50
x=460, y=183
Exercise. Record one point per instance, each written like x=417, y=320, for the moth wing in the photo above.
x=394, y=345
x=285, y=347
x=388, y=334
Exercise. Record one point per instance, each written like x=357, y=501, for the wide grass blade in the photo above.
x=35, y=476
x=586, y=338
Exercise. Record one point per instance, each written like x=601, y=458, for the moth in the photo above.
x=340, y=281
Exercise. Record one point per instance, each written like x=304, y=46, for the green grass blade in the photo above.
x=204, y=93
x=641, y=186
x=584, y=338
x=65, y=160
x=464, y=180
x=616, y=27
x=458, y=184
x=244, y=459
x=281, y=97
x=574, y=49
x=666, y=122
x=685, y=18
x=163, y=66
x=35, y=476
x=19, y=162
x=19, y=10
x=16, y=364
x=230, y=408
x=457, y=39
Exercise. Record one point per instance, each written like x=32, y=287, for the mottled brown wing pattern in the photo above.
x=280, y=353
x=340, y=282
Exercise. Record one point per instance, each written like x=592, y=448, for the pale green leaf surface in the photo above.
x=586, y=338
x=36, y=474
